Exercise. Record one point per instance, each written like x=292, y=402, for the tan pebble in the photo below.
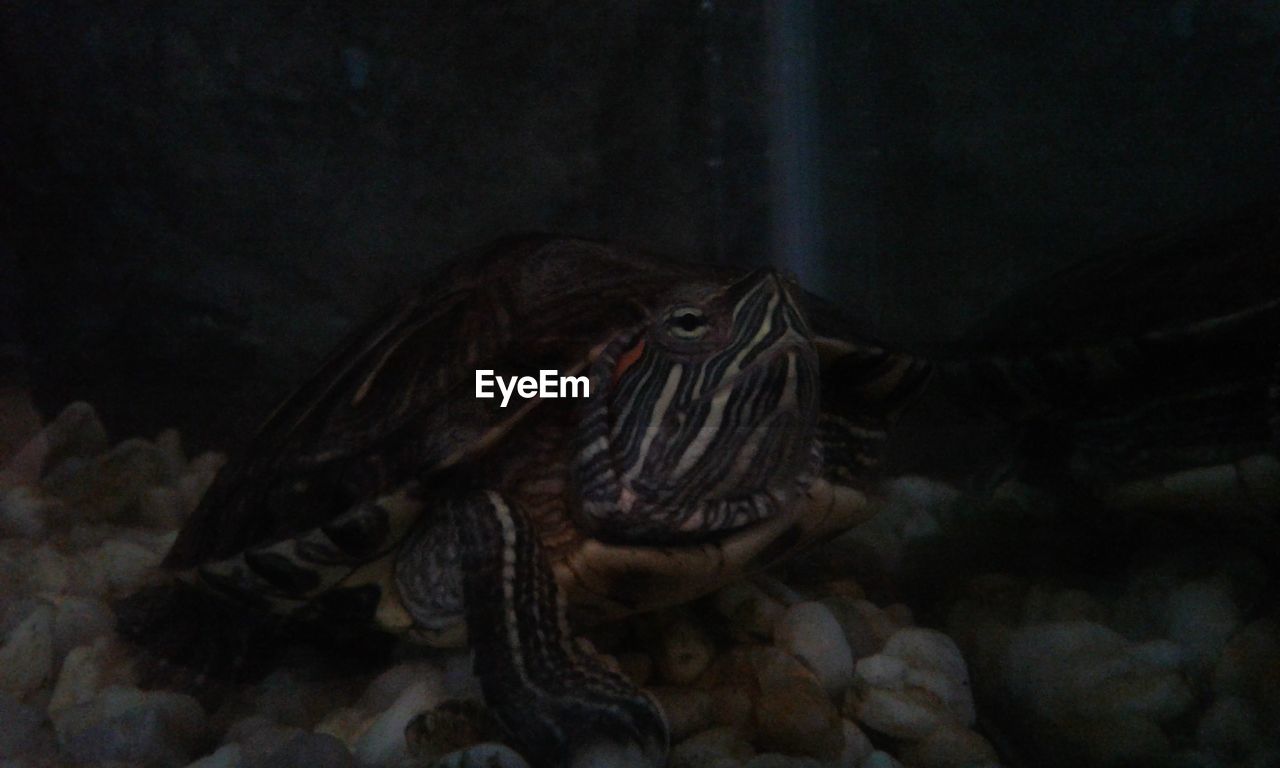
x=734, y=667
x=865, y=626
x=731, y=680
x=948, y=746
x=685, y=653
x=733, y=706
x=750, y=612
x=346, y=725
x=688, y=710
x=793, y=713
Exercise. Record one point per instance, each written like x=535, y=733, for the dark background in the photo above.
x=199, y=198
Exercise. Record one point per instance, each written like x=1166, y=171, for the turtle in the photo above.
x=1146, y=379
x=729, y=420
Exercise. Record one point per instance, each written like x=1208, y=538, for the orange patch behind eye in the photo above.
x=627, y=360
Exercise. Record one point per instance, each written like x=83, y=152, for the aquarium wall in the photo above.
x=1030, y=250
x=201, y=200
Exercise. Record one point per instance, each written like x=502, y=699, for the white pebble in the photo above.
x=383, y=744
x=483, y=756
x=880, y=759
x=810, y=632
x=777, y=760
x=80, y=678
x=865, y=626
x=20, y=726
x=882, y=671
x=48, y=572
x=950, y=746
x=1229, y=730
x=227, y=756
x=347, y=725
x=924, y=648
x=1043, y=661
x=122, y=564
x=907, y=714
x=388, y=686
x=856, y=746
x=80, y=621
x=937, y=666
x=131, y=726
x=23, y=513
x=1201, y=618
x=26, y=658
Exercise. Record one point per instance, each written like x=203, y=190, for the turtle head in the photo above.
x=703, y=419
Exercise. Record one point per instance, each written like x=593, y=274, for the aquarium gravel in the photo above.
x=774, y=672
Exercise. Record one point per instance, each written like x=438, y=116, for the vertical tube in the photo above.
x=713, y=76
x=795, y=205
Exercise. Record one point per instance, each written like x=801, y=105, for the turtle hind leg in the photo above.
x=559, y=702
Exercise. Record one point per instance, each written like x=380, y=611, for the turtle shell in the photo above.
x=397, y=400
x=1151, y=359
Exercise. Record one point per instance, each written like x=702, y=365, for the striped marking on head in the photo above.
x=707, y=419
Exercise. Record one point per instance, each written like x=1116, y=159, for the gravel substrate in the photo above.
x=762, y=674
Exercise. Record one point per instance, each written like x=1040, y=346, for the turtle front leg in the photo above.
x=559, y=702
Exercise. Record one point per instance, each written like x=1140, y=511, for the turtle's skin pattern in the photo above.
x=723, y=432
x=1146, y=379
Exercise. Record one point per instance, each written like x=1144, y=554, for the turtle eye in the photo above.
x=687, y=323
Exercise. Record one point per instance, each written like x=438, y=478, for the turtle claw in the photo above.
x=454, y=725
